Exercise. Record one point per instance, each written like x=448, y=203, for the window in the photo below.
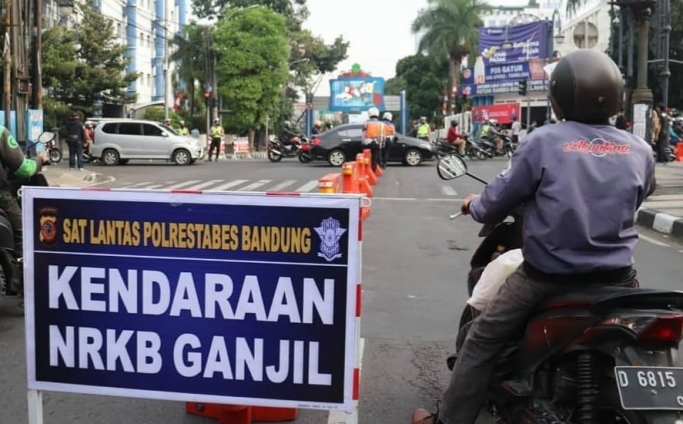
x=149, y=80
x=142, y=39
x=152, y=130
x=109, y=128
x=129, y=128
x=351, y=133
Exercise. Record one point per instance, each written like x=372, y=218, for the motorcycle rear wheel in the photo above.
x=609, y=410
x=55, y=155
x=274, y=157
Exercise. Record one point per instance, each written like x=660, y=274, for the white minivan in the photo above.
x=116, y=141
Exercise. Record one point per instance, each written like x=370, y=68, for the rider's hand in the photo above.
x=465, y=207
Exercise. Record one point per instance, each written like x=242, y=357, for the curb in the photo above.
x=660, y=222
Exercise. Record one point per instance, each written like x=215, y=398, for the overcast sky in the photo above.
x=379, y=31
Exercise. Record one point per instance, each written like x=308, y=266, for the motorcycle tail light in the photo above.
x=662, y=329
x=315, y=141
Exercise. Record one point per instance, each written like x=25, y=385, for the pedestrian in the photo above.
x=75, y=137
x=620, y=122
x=216, y=132
x=373, y=134
x=389, y=134
x=516, y=128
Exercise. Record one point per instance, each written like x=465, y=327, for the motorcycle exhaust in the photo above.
x=276, y=151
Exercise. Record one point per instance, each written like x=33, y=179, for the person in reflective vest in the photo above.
x=183, y=130
x=423, y=129
x=216, y=133
x=389, y=134
x=373, y=135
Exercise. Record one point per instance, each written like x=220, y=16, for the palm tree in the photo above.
x=450, y=28
x=190, y=54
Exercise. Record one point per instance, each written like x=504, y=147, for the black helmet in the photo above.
x=586, y=86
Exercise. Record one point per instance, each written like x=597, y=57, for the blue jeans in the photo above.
x=76, y=155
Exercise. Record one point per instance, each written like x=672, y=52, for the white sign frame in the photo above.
x=351, y=202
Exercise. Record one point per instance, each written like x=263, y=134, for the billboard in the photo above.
x=503, y=78
x=518, y=43
x=356, y=94
x=500, y=88
x=503, y=113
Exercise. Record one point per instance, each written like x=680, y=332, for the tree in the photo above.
x=425, y=79
x=191, y=55
x=85, y=65
x=450, y=28
x=253, y=53
x=295, y=11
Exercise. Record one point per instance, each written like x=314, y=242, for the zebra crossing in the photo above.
x=262, y=185
x=232, y=185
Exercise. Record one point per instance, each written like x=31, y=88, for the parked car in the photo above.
x=343, y=143
x=119, y=140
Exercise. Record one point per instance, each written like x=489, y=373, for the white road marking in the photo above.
x=338, y=417
x=153, y=186
x=203, y=185
x=414, y=199
x=182, y=185
x=137, y=184
x=278, y=187
x=255, y=185
x=448, y=191
x=308, y=186
x=229, y=185
x=653, y=241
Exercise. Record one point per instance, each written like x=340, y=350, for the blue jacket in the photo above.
x=581, y=186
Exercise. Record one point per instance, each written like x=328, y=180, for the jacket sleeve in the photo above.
x=512, y=187
x=13, y=159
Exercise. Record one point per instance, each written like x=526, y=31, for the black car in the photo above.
x=343, y=143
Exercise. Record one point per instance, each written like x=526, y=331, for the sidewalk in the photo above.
x=663, y=211
x=60, y=177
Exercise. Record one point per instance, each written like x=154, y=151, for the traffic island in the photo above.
x=74, y=178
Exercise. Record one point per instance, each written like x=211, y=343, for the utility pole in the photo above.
x=207, y=76
x=7, y=68
x=166, y=61
x=37, y=80
x=20, y=32
x=214, y=82
x=642, y=95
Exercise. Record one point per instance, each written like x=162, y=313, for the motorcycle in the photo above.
x=603, y=355
x=10, y=268
x=54, y=153
x=276, y=150
x=490, y=147
x=472, y=149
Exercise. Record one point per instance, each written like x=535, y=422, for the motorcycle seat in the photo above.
x=611, y=297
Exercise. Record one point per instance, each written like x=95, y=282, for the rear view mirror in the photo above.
x=451, y=167
x=46, y=137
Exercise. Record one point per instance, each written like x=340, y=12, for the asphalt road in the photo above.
x=414, y=273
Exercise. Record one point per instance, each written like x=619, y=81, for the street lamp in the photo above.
x=642, y=95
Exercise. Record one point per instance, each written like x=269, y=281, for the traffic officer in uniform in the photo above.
x=373, y=135
x=216, y=132
x=389, y=132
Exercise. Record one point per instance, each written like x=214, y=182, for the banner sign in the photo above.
x=356, y=94
x=501, y=87
x=218, y=298
x=497, y=73
x=503, y=113
x=518, y=43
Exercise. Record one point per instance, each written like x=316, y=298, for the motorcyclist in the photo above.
x=489, y=132
x=455, y=138
x=289, y=136
x=581, y=182
x=317, y=128
x=15, y=165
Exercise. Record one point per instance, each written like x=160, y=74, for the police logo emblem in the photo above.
x=48, y=226
x=330, y=231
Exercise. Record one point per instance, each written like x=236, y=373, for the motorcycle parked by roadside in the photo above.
x=54, y=153
x=602, y=355
x=277, y=150
x=10, y=268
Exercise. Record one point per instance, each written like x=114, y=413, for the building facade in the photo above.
x=146, y=28
x=588, y=27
